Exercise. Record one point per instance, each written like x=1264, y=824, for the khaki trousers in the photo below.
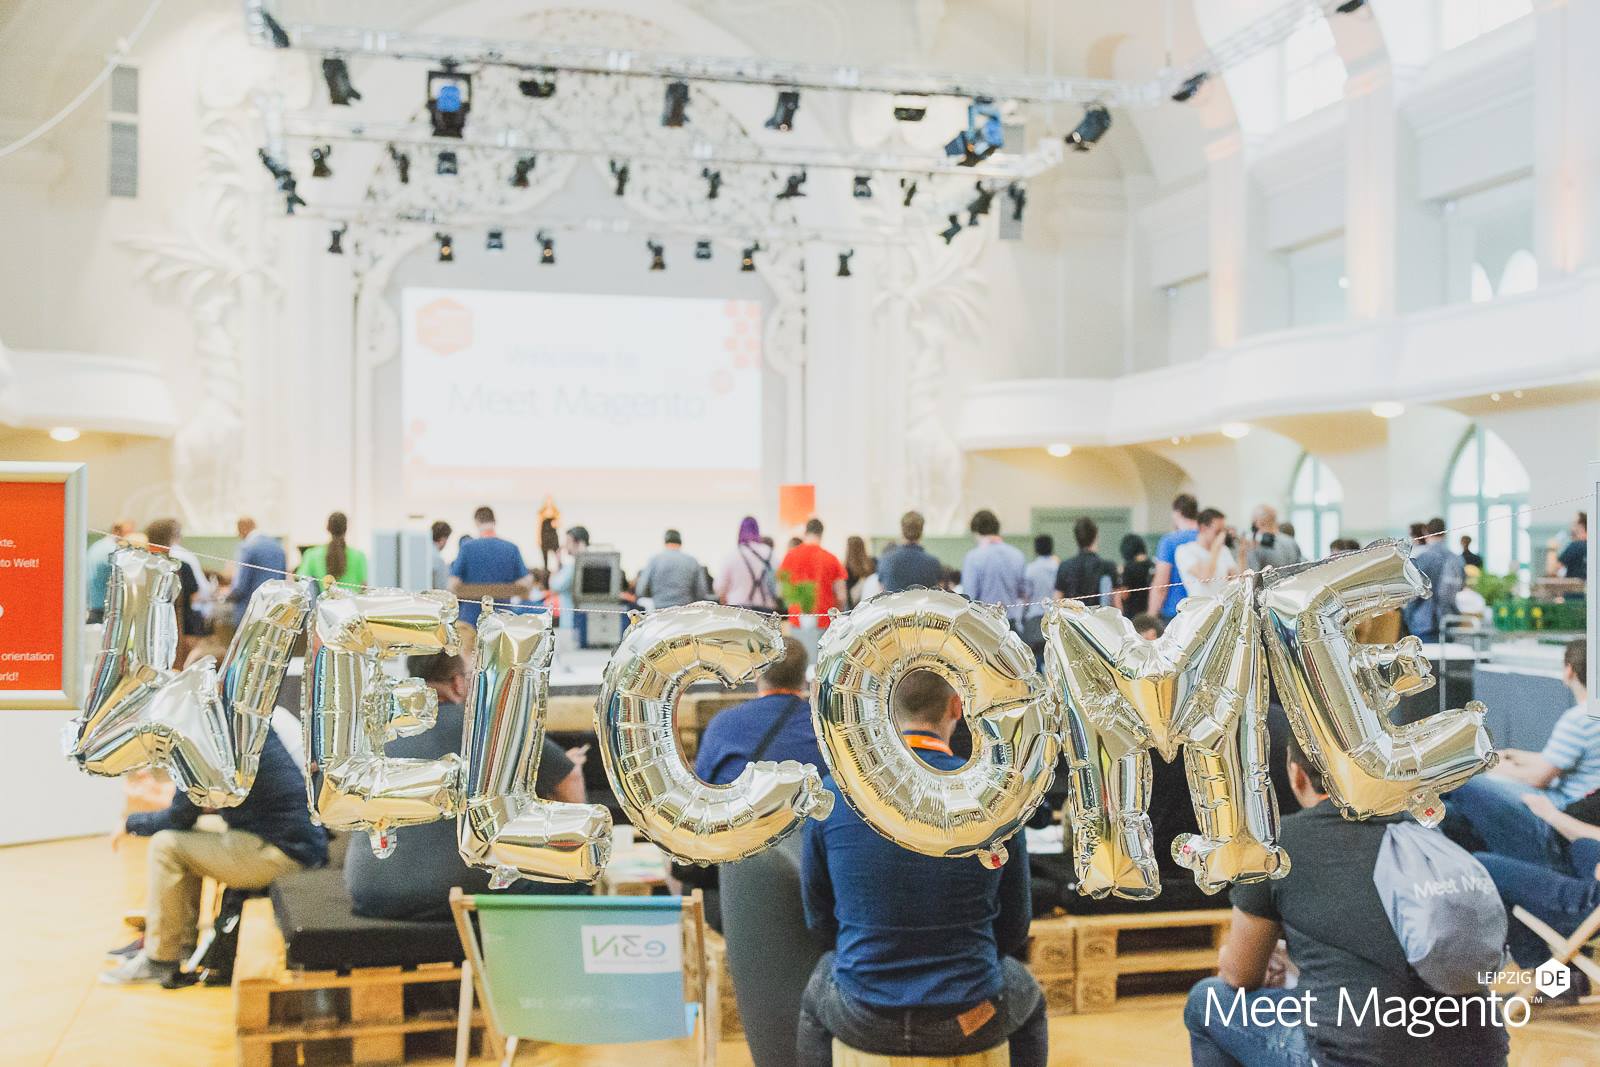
x=179, y=860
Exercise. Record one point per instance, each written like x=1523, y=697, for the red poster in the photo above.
x=33, y=518
x=796, y=503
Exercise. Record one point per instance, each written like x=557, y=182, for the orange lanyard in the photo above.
x=926, y=743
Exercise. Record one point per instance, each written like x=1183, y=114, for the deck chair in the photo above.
x=1569, y=950
x=585, y=971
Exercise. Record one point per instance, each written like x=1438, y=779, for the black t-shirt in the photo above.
x=1080, y=578
x=414, y=882
x=1340, y=938
x=1136, y=577
x=1574, y=559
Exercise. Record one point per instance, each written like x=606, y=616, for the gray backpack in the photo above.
x=1443, y=907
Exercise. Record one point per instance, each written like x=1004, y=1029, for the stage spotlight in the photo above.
x=657, y=258
x=539, y=87
x=402, y=163
x=337, y=74
x=950, y=231
x=319, y=161
x=713, y=182
x=619, y=171
x=290, y=197
x=547, y=248
x=449, y=100
x=861, y=189
x=279, y=38
x=495, y=241
x=980, y=204
x=791, y=186
x=446, y=164
x=1019, y=200
x=336, y=239
x=783, y=112
x=447, y=249
x=1350, y=7
x=983, y=136
x=844, y=264
x=747, y=258
x=675, y=105
x=702, y=250
x=909, y=185
x=519, y=177
x=1190, y=86
x=1096, y=121
x=910, y=108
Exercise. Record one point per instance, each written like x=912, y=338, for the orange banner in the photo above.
x=796, y=504
x=33, y=519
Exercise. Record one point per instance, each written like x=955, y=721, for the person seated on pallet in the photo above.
x=269, y=834
x=922, y=949
x=1489, y=813
x=417, y=886
x=1350, y=960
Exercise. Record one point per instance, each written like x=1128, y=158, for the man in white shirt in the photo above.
x=1206, y=563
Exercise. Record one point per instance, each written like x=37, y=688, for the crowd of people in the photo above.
x=923, y=956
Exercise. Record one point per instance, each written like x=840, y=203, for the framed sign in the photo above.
x=42, y=543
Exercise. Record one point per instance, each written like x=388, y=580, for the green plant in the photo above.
x=801, y=594
x=1494, y=587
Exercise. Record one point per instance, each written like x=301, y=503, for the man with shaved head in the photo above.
x=1270, y=546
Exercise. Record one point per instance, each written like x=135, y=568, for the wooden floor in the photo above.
x=62, y=908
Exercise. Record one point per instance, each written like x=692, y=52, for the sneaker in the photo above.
x=139, y=969
x=128, y=951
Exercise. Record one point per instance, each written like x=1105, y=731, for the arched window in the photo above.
x=1313, y=73
x=1488, y=488
x=1521, y=274
x=1482, y=288
x=1314, y=499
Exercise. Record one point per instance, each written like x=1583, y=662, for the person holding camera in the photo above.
x=1269, y=546
x=1206, y=563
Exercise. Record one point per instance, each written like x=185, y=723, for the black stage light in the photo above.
x=783, y=111
x=446, y=164
x=274, y=168
x=541, y=86
x=449, y=100
x=547, y=248
x=675, y=105
x=980, y=204
x=337, y=74
x=319, y=161
x=702, y=250
x=983, y=136
x=1190, y=86
x=291, y=198
x=279, y=38
x=791, y=186
x=950, y=231
x=1350, y=7
x=909, y=185
x=747, y=258
x=861, y=188
x=1019, y=200
x=336, y=239
x=657, y=259
x=496, y=241
x=402, y=163
x=1096, y=121
x=713, y=182
x=519, y=177
x=844, y=264
x=447, y=249
x=619, y=171
x=909, y=107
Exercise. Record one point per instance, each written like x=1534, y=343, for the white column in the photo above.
x=1566, y=136
x=1248, y=284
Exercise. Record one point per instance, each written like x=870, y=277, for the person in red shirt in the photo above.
x=810, y=562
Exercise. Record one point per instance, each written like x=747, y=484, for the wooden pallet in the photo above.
x=285, y=1016
x=1084, y=962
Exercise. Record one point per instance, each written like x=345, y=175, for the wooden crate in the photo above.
x=285, y=1016
x=732, y=1026
x=1084, y=962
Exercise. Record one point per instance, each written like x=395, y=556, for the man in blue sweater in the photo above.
x=923, y=949
x=269, y=834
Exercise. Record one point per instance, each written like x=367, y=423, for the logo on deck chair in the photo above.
x=1552, y=978
x=632, y=949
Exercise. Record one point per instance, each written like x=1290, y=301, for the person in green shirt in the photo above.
x=347, y=565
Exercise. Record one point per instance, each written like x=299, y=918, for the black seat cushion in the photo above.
x=322, y=933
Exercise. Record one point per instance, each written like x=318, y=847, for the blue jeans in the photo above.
x=1215, y=1043
x=1486, y=814
x=1561, y=900
x=827, y=1012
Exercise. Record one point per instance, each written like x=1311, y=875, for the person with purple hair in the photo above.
x=747, y=578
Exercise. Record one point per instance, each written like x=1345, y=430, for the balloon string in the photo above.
x=1292, y=568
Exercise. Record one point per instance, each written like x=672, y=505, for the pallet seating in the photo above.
x=1084, y=962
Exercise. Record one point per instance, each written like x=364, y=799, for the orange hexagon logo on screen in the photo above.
x=444, y=326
